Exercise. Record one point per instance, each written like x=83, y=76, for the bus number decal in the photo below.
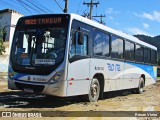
x=114, y=67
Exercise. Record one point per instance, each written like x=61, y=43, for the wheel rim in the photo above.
x=94, y=90
x=141, y=87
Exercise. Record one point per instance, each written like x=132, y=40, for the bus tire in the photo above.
x=140, y=88
x=94, y=90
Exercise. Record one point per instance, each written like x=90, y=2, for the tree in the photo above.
x=2, y=47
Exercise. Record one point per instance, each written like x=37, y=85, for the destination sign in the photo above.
x=56, y=20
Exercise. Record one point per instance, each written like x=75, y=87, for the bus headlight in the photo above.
x=56, y=77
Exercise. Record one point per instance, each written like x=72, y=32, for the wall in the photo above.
x=8, y=20
x=4, y=63
x=14, y=18
x=5, y=20
x=4, y=59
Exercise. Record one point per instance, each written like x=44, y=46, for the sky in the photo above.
x=129, y=16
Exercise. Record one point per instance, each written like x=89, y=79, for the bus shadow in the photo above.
x=20, y=99
x=120, y=93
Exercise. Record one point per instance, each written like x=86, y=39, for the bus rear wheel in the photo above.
x=140, y=88
x=94, y=90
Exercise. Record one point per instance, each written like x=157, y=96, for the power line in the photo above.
x=17, y=6
x=90, y=4
x=101, y=18
x=37, y=6
x=28, y=6
x=23, y=6
x=79, y=6
x=7, y=3
x=42, y=6
x=59, y=5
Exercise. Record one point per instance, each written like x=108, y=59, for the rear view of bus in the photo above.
x=37, y=59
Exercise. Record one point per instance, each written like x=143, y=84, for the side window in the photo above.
x=129, y=51
x=101, y=43
x=85, y=45
x=98, y=43
x=120, y=49
x=147, y=55
x=73, y=43
x=153, y=57
x=139, y=53
x=117, y=48
x=76, y=47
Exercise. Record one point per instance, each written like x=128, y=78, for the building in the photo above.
x=8, y=20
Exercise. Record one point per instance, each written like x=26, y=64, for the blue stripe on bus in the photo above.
x=149, y=69
x=19, y=75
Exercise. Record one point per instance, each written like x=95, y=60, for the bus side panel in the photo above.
x=131, y=76
x=134, y=71
x=78, y=77
x=112, y=71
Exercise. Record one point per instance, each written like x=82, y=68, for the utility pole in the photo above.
x=66, y=6
x=91, y=7
x=101, y=17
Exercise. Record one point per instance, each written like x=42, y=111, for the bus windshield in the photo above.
x=38, y=46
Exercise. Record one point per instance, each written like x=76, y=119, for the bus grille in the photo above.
x=35, y=88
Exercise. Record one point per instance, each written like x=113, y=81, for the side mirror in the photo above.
x=80, y=38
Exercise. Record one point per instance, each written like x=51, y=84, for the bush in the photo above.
x=2, y=47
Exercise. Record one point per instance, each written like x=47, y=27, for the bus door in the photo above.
x=79, y=60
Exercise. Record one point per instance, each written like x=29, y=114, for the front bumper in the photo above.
x=57, y=89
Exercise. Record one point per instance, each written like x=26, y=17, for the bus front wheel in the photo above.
x=140, y=88
x=94, y=90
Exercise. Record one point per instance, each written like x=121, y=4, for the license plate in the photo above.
x=28, y=90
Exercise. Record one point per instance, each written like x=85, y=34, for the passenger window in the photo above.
x=76, y=48
x=101, y=43
x=98, y=41
x=129, y=51
x=139, y=53
x=147, y=55
x=117, y=48
x=153, y=57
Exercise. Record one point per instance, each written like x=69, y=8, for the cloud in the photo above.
x=145, y=25
x=154, y=16
x=135, y=31
x=110, y=17
x=109, y=10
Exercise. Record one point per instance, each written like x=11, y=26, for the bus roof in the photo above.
x=110, y=30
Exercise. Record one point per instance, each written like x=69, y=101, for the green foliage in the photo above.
x=2, y=47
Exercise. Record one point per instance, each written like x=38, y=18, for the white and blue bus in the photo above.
x=69, y=55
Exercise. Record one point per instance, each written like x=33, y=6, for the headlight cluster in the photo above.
x=56, y=77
